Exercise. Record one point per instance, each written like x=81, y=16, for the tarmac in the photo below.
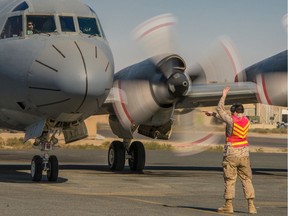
x=169, y=185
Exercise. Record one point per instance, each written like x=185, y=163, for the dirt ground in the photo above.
x=99, y=140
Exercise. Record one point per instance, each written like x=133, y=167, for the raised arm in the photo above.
x=221, y=107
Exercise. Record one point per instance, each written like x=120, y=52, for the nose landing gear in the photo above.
x=46, y=162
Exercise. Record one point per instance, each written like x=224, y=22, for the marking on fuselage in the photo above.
x=107, y=67
x=96, y=52
x=53, y=103
x=86, y=76
x=124, y=108
x=45, y=89
x=58, y=51
x=265, y=89
x=46, y=65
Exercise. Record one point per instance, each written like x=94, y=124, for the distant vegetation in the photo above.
x=266, y=130
x=14, y=143
x=105, y=145
x=17, y=143
x=157, y=146
x=216, y=148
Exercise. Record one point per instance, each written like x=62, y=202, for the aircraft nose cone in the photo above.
x=70, y=75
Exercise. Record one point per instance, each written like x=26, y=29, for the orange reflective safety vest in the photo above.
x=239, y=133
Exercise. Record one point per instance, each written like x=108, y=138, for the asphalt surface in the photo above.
x=169, y=185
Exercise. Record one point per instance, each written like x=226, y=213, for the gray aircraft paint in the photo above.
x=55, y=74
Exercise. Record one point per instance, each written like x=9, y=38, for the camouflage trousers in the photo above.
x=233, y=167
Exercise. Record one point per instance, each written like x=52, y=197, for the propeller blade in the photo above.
x=285, y=21
x=220, y=64
x=194, y=133
x=156, y=38
x=133, y=102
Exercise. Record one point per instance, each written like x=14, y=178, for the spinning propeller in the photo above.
x=147, y=93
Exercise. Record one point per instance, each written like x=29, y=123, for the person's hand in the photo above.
x=225, y=91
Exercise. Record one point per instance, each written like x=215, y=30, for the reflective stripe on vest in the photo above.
x=240, y=131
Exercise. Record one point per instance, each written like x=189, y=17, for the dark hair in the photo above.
x=237, y=107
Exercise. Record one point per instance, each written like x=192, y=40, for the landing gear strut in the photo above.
x=46, y=162
x=120, y=151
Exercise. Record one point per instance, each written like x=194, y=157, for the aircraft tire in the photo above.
x=53, y=170
x=138, y=156
x=116, y=156
x=36, y=168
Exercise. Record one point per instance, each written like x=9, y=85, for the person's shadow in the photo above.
x=203, y=209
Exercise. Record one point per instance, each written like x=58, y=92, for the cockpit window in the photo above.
x=37, y=24
x=12, y=28
x=89, y=26
x=67, y=24
x=22, y=6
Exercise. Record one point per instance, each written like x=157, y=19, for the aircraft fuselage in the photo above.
x=63, y=70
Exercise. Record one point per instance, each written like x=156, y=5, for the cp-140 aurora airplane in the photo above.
x=57, y=69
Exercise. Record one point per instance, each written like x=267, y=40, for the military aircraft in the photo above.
x=57, y=69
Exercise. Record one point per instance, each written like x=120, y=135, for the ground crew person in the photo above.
x=236, y=154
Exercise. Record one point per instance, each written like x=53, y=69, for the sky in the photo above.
x=255, y=26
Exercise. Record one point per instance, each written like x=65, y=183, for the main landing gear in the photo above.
x=120, y=151
x=46, y=162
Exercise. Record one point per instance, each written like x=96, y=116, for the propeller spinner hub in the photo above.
x=178, y=84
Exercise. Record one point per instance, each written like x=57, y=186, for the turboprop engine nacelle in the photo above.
x=270, y=75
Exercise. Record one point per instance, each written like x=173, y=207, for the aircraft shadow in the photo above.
x=256, y=171
x=21, y=173
x=18, y=174
x=269, y=171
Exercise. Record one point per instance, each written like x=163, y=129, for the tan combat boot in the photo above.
x=227, y=207
x=251, y=207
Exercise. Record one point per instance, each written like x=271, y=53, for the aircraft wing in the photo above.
x=201, y=95
x=147, y=94
x=209, y=94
